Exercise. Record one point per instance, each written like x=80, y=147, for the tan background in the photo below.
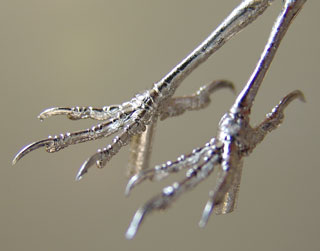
x=97, y=53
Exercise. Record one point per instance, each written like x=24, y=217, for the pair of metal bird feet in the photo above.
x=135, y=122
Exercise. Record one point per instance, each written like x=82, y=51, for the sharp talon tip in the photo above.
x=78, y=177
x=132, y=230
x=135, y=223
x=52, y=112
x=206, y=214
x=297, y=94
x=45, y=114
x=302, y=97
x=41, y=117
x=85, y=166
x=82, y=171
x=15, y=160
x=127, y=191
x=132, y=182
x=231, y=86
x=226, y=84
x=203, y=222
x=29, y=148
x=19, y=156
x=130, y=234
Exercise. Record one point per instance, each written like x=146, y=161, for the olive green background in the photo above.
x=68, y=53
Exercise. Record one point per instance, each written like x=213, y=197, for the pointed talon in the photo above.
x=135, y=180
x=297, y=94
x=158, y=202
x=135, y=223
x=85, y=112
x=61, y=141
x=284, y=102
x=206, y=214
x=83, y=170
x=162, y=171
x=86, y=165
x=31, y=147
x=235, y=139
x=171, y=193
x=131, y=183
x=235, y=133
x=199, y=100
x=54, y=111
x=218, y=84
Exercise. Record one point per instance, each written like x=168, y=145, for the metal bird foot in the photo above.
x=235, y=139
x=135, y=121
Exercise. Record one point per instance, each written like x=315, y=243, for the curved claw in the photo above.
x=135, y=180
x=54, y=111
x=31, y=147
x=85, y=112
x=198, y=100
x=135, y=223
x=158, y=202
x=216, y=196
x=93, y=160
x=131, y=183
x=105, y=154
x=206, y=213
x=219, y=84
x=297, y=94
x=162, y=171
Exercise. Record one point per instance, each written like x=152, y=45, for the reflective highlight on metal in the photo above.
x=235, y=139
x=135, y=121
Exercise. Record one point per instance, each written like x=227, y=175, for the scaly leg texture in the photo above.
x=236, y=139
x=140, y=111
x=199, y=100
x=75, y=113
x=135, y=120
x=275, y=117
x=141, y=144
x=203, y=164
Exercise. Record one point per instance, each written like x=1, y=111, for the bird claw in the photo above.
x=53, y=112
x=76, y=113
x=84, y=168
x=137, y=179
x=93, y=160
x=237, y=136
x=31, y=147
x=206, y=214
x=297, y=94
x=135, y=223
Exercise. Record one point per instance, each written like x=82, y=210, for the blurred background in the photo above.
x=96, y=53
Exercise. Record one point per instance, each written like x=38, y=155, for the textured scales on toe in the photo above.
x=235, y=139
x=135, y=121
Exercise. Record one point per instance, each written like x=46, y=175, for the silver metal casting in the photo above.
x=135, y=122
x=235, y=139
x=131, y=118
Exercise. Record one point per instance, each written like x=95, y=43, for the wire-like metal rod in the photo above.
x=238, y=19
x=247, y=96
x=235, y=139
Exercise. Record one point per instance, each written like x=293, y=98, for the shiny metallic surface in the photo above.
x=238, y=19
x=236, y=139
x=132, y=117
x=140, y=150
x=41, y=207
